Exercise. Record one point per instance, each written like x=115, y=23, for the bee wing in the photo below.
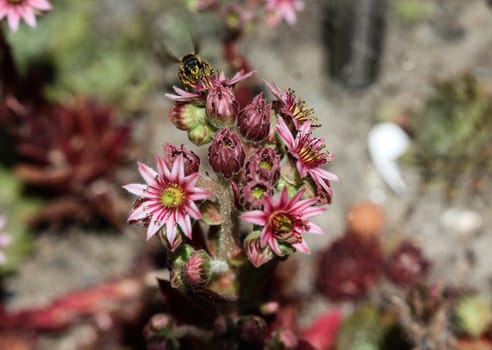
x=164, y=54
x=196, y=45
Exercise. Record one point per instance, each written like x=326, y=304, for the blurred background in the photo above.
x=402, y=89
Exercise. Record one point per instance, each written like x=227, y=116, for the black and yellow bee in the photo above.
x=193, y=68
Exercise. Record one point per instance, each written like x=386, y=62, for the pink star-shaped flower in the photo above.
x=14, y=10
x=309, y=153
x=284, y=220
x=168, y=198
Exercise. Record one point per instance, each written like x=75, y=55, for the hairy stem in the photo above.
x=222, y=189
x=227, y=244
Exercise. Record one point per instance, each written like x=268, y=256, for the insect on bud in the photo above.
x=222, y=107
x=186, y=116
x=254, y=120
x=191, y=160
x=226, y=153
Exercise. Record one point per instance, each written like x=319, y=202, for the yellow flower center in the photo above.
x=282, y=224
x=172, y=197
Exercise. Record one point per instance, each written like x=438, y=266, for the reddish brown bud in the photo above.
x=222, y=107
x=254, y=120
x=191, y=160
x=264, y=164
x=407, y=265
x=226, y=153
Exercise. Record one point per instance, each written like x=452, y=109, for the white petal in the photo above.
x=136, y=189
x=148, y=174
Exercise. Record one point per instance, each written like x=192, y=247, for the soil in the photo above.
x=414, y=56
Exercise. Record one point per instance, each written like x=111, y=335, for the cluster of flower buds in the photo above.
x=268, y=173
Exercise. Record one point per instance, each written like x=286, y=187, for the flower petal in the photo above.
x=154, y=226
x=13, y=19
x=137, y=213
x=136, y=189
x=148, y=174
x=28, y=15
x=302, y=246
x=256, y=217
x=42, y=5
x=285, y=134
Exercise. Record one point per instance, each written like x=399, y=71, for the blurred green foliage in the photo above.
x=363, y=330
x=95, y=52
x=453, y=131
x=412, y=11
x=17, y=210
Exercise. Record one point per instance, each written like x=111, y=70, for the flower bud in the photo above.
x=186, y=116
x=254, y=120
x=257, y=254
x=264, y=164
x=168, y=244
x=211, y=214
x=196, y=270
x=201, y=134
x=226, y=153
x=222, y=107
x=191, y=160
x=179, y=258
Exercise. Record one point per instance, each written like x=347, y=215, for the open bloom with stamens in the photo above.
x=283, y=9
x=14, y=10
x=288, y=105
x=284, y=220
x=309, y=153
x=168, y=198
x=5, y=239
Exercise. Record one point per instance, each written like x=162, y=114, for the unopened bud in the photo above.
x=201, y=134
x=226, y=153
x=264, y=164
x=191, y=160
x=186, y=116
x=222, y=107
x=196, y=270
x=254, y=120
x=257, y=254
